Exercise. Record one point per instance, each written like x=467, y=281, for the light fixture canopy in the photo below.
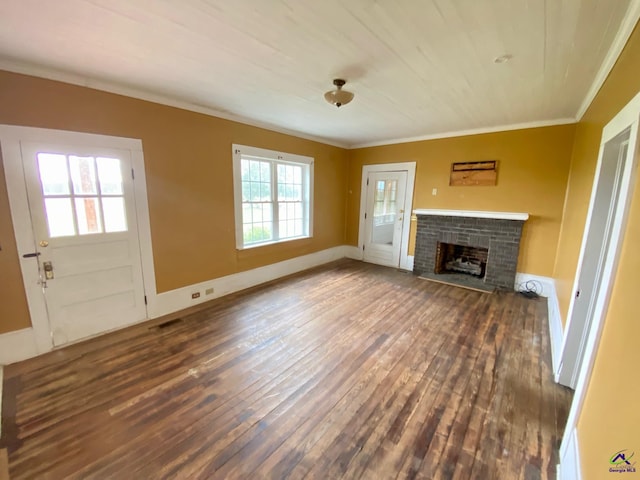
x=338, y=97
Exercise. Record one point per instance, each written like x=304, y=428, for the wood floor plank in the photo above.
x=348, y=370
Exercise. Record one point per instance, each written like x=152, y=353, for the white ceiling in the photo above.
x=418, y=68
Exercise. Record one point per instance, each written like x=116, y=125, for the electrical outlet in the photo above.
x=434, y=191
x=208, y=291
x=195, y=295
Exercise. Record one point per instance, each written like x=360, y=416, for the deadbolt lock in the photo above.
x=44, y=243
x=48, y=270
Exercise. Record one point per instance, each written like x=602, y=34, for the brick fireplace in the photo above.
x=483, y=245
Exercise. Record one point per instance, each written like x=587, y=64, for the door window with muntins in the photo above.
x=82, y=195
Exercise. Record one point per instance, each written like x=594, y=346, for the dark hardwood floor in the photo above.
x=346, y=371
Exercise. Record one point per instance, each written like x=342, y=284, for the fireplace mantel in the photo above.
x=472, y=214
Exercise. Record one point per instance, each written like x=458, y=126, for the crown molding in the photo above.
x=118, y=89
x=624, y=32
x=475, y=131
x=628, y=24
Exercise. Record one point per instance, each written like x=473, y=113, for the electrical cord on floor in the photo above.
x=530, y=288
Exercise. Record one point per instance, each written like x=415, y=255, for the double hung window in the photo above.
x=273, y=196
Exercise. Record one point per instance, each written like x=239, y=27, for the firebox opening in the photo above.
x=451, y=258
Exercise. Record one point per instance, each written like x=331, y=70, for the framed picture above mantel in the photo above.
x=474, y=173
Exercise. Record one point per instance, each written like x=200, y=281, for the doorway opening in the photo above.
x=600, y=246
x=598, y=261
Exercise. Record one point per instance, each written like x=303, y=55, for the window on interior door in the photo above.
x=82, y=195
x=384, y=205
x=273, y=196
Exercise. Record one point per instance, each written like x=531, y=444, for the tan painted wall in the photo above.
x=610, y=419
x=189, y=181
x=14, y=313
x=532, y=175
x=620, y=87
x=533, y=171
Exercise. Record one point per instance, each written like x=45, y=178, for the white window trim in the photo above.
x=237, y=151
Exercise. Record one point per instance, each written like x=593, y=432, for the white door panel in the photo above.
x=384, y=216
x=82, y=206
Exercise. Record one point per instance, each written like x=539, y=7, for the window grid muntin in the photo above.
x=385, y=202
x=290, y=186
x=304, y=170
x=72, y=196
x=260, y=173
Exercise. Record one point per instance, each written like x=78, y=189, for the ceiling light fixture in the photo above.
x=338, y=97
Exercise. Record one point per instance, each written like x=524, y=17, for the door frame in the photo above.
x=410, y=167
x=10, y=138
x=594, y=255
x=628, y=117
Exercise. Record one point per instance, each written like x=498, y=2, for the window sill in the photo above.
x=277, y=242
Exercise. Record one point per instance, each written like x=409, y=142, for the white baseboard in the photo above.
x=179, y=299
x=356, y=253
x=548, y=290
x=21, y=344
x=17, y=346
x=409, y=265
x=569, y=466
x=352, y=252
x=556, y=330
x=546, y=284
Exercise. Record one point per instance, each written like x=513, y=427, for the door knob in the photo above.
x=44, y=243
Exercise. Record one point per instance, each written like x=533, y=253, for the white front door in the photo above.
x=83, y=217
x=384, y=217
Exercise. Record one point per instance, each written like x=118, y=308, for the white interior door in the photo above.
x=83, y=216
x=600, y=246
x=384, y=216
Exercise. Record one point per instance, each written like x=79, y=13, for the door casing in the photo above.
x=10, y=138
x=628, y=117
x=599, y=246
